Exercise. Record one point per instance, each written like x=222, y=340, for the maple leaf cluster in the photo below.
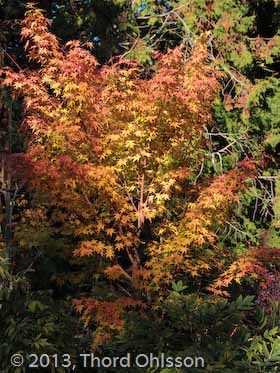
x=112, y=150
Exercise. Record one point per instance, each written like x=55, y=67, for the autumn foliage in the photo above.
x=113, y=152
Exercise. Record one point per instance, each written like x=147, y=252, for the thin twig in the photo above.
x=11, y=58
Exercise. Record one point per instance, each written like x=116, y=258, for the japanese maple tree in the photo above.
x=113, y=152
